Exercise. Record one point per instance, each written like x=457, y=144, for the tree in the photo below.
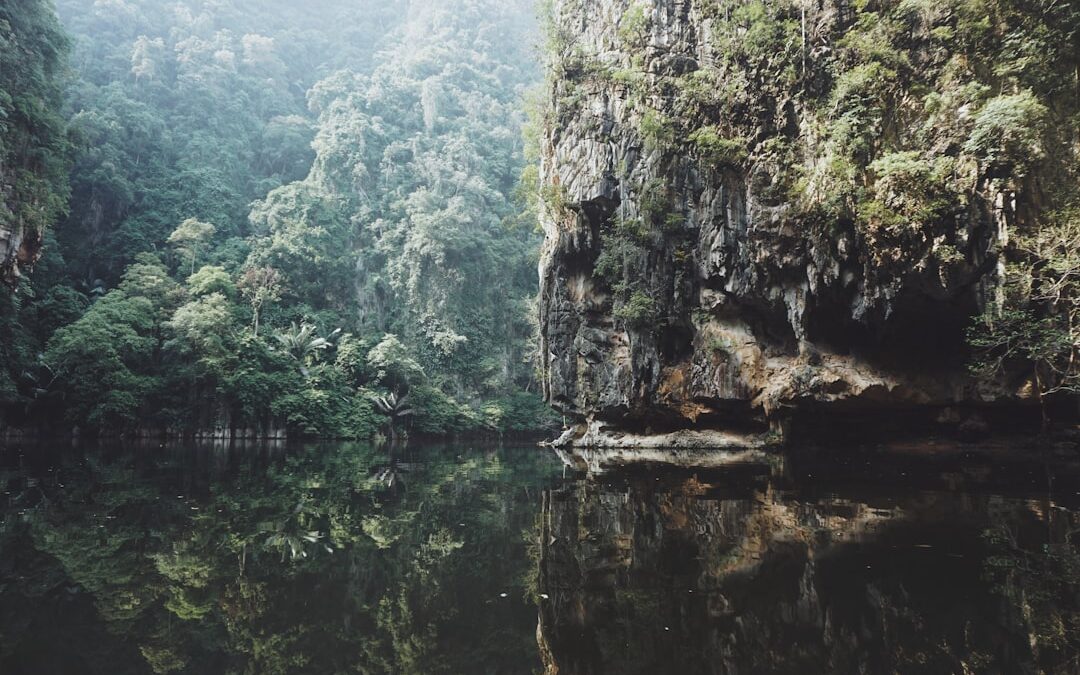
x=303, y=343
x=204, y=325
x=191, y=237
x=1039, y=322
x=101, y=361
x=33, y=143
x=211, y=279
x=394, y=365
x=377, y=199
x=260, y=285
x=395, y=408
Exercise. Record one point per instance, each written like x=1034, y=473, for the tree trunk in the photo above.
x=1042, y=399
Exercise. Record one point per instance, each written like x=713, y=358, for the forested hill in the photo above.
x=280, y=216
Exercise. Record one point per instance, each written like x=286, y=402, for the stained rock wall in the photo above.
x=17, y=252
x=696, y=280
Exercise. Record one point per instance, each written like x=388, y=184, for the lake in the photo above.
x=346, y=558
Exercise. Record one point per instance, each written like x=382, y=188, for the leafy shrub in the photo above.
x=1006, y=137
x=638, y=311
x=657, y=131
x=711, y=146
x=633, y=25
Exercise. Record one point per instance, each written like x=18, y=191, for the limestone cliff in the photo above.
x=759, y=213
x=33, y=135
x=17, y=252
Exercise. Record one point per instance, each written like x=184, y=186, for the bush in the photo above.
x=521, y=412
x=1006, y=137
x=638, y=311
x=711, y=146
x=657, y=131
x=634, y=26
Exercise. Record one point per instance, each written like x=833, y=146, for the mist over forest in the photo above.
x=270, y=218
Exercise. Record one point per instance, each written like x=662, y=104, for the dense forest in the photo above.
x=257, y=220
x=288, y=218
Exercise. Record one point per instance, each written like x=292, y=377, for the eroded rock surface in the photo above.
x=733, y=309
x=18, y=252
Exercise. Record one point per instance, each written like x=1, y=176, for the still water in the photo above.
x=484, y=559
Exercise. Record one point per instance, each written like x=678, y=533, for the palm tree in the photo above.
x=302, y=342
x=395, y=408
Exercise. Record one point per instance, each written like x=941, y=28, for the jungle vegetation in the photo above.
x=268, y=218
x=307, y=217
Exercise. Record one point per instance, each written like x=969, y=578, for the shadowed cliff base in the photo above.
x=596, y=447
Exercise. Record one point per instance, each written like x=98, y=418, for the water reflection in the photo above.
x=815, y=565
x=234, y=560
x=350, y=558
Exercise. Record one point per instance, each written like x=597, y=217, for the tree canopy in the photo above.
x=262, y=195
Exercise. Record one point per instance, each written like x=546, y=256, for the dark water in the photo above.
x=465, y=559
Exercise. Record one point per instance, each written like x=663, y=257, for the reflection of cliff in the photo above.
x=694, y=577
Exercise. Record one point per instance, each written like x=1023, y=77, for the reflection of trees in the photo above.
x=1037, y=571
x=292, y=534
x=694, y=576
x=312, y=564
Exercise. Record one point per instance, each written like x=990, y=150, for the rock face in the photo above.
x=17, y=253
x=695, y=279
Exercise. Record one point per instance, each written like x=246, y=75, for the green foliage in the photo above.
x=654, y=202
x=1036, y=327
x=314, y=411
x=860, y=103
x=657, y=131
x=302, y=342
x=713, y=148
x=103, y=360
x=394, y=364
x=634, y=25
x=351, y=168
x=1022, y=335
x=307, y=238
x=33, y=142
x=204, y=325
x=622, y=259
x=442, y=413
x=555, y=199
x=212, y=279
x=1007, y=134
x=630, y=78
x=909, y=197
x=34, y=160
x=638, y=311
x=190, y=238
x=623, y=252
